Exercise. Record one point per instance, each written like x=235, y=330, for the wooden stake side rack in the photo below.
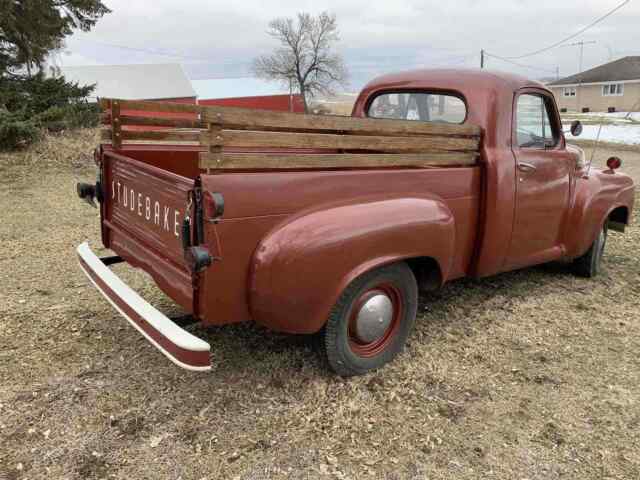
x=237, y=138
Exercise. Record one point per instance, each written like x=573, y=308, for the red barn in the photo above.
x=279, y=103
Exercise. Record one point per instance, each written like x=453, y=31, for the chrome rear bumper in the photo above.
x=178, y=345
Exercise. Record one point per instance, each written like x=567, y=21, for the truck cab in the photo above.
x=541, y=201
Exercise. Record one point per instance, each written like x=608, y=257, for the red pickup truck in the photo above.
x=339, y=242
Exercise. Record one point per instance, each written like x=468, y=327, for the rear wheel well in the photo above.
x=618, y=219
x=427, y=273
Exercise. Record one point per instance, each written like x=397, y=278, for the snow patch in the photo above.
x=628, y=134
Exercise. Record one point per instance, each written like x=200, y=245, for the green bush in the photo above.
x=81, y=115
x=31, y=105
x=16, y=132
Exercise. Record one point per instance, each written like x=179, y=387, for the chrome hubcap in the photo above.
x=374, y=318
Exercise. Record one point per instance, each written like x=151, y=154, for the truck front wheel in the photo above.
x=588, y=265
x=370, y=323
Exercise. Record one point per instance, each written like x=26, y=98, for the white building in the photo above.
x=134, y=82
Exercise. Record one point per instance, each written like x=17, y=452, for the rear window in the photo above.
x=424, y=107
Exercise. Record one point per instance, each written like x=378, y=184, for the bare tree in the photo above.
x=304, y=60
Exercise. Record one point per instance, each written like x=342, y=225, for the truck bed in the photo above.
x=255, y=203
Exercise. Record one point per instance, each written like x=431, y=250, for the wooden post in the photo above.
x=116, y=125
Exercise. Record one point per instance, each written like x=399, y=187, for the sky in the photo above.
x=216, y=39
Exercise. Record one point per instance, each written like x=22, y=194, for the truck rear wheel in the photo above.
x=588, y=265
x=371, y=321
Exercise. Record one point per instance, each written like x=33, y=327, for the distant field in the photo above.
x=339, y=104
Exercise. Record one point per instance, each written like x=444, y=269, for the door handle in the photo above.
x=526, y=167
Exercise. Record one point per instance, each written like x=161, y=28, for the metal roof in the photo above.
x=133, y=82
x=627, y=68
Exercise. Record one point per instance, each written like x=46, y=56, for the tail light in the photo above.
x=614, y=163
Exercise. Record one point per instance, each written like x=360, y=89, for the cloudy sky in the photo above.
x=214, y=39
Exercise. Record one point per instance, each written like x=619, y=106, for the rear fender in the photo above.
x=595, y=199
x=301, y=267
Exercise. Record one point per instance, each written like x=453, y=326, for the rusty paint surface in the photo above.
x=144, y=210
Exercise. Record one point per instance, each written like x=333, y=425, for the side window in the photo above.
x=534, y=128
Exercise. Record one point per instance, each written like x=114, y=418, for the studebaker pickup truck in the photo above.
x=331, y=225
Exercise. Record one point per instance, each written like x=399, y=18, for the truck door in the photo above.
x=543, y=174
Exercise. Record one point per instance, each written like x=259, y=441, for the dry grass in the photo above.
x=532, y=374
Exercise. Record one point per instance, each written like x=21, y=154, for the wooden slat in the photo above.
x=253, y=119
x=265, y=120
x=276, y=161
x=161, y=135
x=243, y=138
x=211, y=137
x=147, y=106
x=150, y=138
x=161, y=122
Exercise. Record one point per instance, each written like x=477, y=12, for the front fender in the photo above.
x=301, y=267
x=595, y=198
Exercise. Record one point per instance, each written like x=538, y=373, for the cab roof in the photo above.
x=461, y=79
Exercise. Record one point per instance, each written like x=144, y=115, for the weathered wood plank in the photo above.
x=150, y=138
x=211, y=137
x=244, y=118
x=277, y=161
x=245, y=138
x=161, y=135
x=161, y=122
x=266, y=120
x=147, y=106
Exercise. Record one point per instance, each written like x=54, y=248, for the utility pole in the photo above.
x=557, y=72
x=580, y=44
x=610, y=50
x=482, y=58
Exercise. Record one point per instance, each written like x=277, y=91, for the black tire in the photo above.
x=588, y=265
x=345, y=355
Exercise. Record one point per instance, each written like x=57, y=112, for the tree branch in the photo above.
x=305, y=55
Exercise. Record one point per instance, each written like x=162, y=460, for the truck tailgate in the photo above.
x=142, y=214
x=143, y=210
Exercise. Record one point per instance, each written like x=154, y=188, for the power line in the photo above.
x=531, y=67
x=579, y=32
x=146, y=50
x=169, y=54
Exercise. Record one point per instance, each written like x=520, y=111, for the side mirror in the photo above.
x=576, y=128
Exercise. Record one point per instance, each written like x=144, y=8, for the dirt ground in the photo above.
x=532, y=375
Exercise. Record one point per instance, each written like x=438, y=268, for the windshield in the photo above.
x=425, y=107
